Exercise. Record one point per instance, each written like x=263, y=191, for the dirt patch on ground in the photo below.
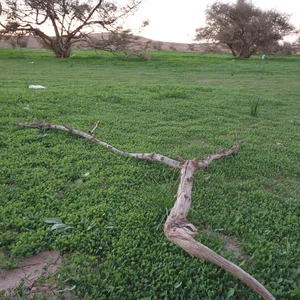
x=229, y=244
x=233, y=246
x=31, y=271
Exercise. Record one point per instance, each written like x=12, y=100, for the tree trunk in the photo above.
x=233, y=51
x=60, y=48
x=246, y=52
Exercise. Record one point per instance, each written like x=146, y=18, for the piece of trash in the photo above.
x=86, y=174
x=36, y=86
x=26, y=107
x=263, y=56
x=279, y=144
x=31, y=62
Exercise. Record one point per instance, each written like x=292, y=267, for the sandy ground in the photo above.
x=32, y=269
x=45, y=263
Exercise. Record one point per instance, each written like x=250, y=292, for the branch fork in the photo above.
x=177, y=227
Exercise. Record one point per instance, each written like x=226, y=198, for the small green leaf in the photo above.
x=60, y=227
x=91, y=226
x=67, y=234
x=20, y=286
x=177, y=285
x=52, y=220
x=67, y=288
x=230, y=293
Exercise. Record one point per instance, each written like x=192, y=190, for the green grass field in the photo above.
x=190, y=104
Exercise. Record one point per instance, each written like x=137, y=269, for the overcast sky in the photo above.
x=176, y=20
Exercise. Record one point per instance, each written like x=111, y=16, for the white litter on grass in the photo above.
x=36, y=87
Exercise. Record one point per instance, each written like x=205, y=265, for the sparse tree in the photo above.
x=119, y=40
x=17, y=41
x=286, y=48
x=191, y=47
x=297, y=42
x=62, y=23
x=157, y=46
x=244, y=28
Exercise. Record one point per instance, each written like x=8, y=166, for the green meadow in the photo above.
x=114, y=207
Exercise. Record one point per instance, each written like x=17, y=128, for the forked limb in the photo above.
x=177, y=228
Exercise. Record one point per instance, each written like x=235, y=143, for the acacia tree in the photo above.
x=244, y=28
x=62, y=23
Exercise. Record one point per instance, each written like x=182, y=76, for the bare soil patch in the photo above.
x=229, y=243
x=31, y=271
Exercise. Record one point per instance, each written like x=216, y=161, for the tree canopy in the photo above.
x=62, y=23
x=244, y=28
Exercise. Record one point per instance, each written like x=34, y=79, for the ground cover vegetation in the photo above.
x=115, y=207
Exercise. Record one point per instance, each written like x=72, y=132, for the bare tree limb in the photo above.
x=177, y=228
x=145, y=156
x=94, y=128
x=181, y=232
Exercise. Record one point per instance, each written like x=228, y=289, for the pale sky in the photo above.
x=176, y=20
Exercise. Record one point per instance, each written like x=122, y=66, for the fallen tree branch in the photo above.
x=181, y=232
x=177, y=228
x=146, y=156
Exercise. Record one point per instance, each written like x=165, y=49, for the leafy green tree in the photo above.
x=244, y=28
x=62, y=23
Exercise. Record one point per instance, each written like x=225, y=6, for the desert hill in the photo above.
x=34, y=42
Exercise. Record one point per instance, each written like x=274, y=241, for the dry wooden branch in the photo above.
x=96, y=125
x=181, y=232
x=177, y=228
x=146, y=156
